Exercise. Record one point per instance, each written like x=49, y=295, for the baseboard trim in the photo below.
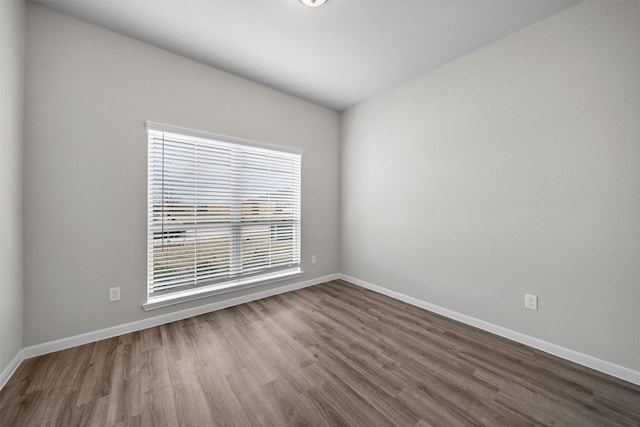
x=89, y=337
x=6, y=374
x=565, y=353
x=582, y=359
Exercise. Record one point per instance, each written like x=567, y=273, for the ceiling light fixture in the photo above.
x=313, y=3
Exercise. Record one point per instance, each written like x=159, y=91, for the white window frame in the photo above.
x=235, y=282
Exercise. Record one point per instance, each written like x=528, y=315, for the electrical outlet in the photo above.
x=313, y=259
x=530, y=302
x=114, y=294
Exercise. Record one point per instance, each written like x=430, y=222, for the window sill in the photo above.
x=235, y=285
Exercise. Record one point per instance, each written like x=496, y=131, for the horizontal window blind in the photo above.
x=218, y=211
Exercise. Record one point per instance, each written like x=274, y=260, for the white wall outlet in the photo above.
x=530, y=302
x=114, y=294
x=313, y=259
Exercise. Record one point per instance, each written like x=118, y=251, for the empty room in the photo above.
x=319, y=213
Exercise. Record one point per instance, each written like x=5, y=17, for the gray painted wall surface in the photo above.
x=89, y=93
x=12, y=45
x=512, y=170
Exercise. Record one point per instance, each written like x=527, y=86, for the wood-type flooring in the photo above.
x=329, y=355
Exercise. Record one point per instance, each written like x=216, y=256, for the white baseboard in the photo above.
x=565, y=353
x=11, y=368
x=64, y=343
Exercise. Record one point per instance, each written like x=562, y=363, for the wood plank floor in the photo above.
x=330, y=355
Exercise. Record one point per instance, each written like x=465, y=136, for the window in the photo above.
x=223, y=214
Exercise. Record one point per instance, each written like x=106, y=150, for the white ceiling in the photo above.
x=336, y=55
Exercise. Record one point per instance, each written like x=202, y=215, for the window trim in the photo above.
x=218, y=136
x=177, y=297
x=225, y=287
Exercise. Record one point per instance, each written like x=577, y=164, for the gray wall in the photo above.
x=88, y=94
x=12, y=45
x=513, y=169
